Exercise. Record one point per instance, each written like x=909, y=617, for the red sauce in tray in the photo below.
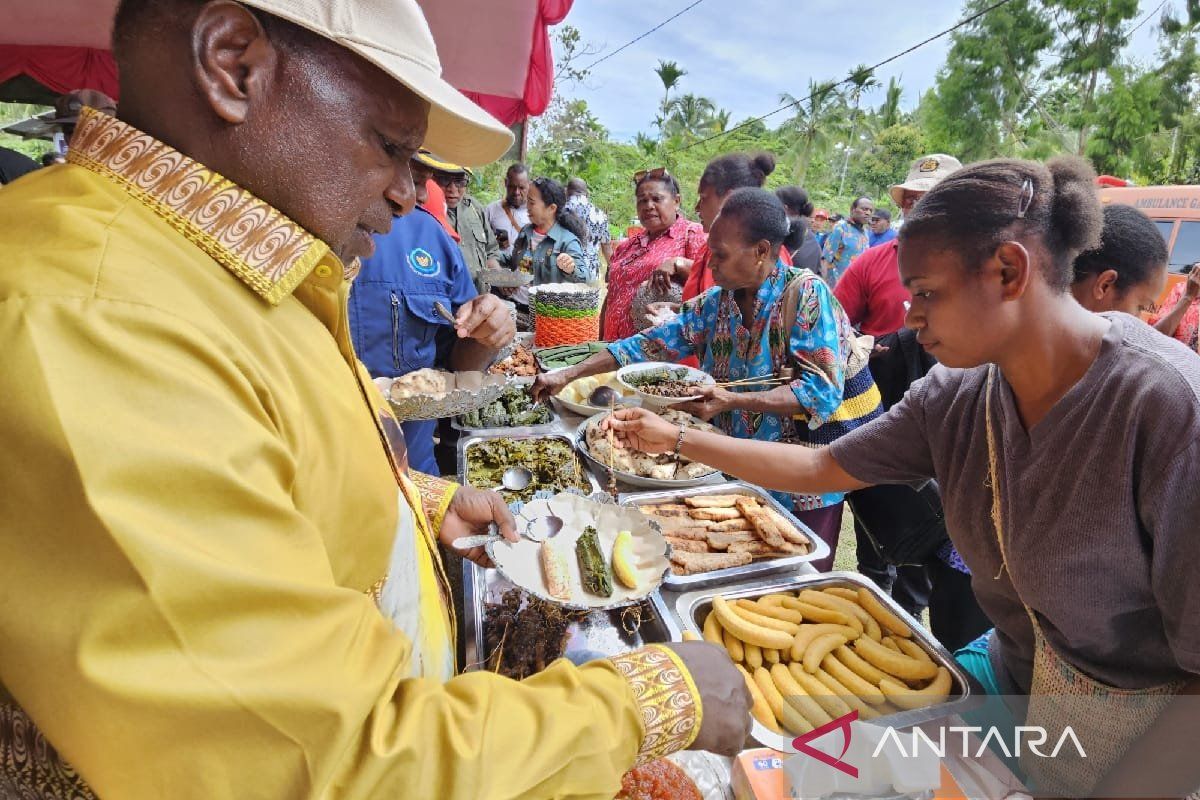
x=658, y=780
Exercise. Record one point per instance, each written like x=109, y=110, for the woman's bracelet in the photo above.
x=679, y=440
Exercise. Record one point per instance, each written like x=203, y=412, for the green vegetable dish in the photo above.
x=513, y=409
x=551, y=460
x=567, y=355
x=593, y=566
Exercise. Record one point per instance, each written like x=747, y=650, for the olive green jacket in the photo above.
x=478, y=240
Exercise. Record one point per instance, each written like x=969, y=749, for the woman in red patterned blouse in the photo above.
x=668, y=245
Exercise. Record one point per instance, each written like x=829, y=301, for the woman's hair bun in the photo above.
x=764, y=162
x=1076, y=216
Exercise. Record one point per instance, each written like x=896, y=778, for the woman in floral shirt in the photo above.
x=736, y=330
x=668, y=243
x=1181, y=315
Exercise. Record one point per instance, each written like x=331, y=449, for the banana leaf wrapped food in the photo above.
x=593, y=566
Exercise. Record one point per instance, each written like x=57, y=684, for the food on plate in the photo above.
x=519, y=364
x=579, y=390
x=760, y=709
x=746, y=631
x=763, y=523
x=512, y=409
x=691, y=563
x=420, y=383
x=835, y=603
x=713, y=501
x=663, y=382
x=567, y=355
x=822, y=670
x=720, y=521
x=624, y=561
x=936, y=692
x=686, y=545
x=523, y=634
x=660, y=779
x=554, y=571
x=551, y=460
x=889, y=621
x=663, y=466
x=593, y=567
x=893, y=662
x=716, y=514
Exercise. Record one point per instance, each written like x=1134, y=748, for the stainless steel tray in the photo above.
x=599, y=634
x=637, y=481
x=465, y=443
x=690, y=609
x=521, y=430
x=751, y=571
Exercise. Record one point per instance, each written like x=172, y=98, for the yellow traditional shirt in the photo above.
x=200, y=507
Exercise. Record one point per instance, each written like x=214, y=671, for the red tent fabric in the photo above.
x=61, y=69
x=497, y=53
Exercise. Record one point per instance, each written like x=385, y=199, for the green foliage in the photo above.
x=15, y=112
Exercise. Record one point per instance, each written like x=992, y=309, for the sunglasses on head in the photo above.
x=656, y=173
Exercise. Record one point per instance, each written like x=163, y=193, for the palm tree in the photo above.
x=669, y=73
x=811, y=121
x=689, y=115
x=862, y=80
x=889, y=112
x=720, y=121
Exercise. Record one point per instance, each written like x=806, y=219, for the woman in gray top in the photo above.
x=1067, y=448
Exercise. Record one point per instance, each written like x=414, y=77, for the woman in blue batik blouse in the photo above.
x=737, y=330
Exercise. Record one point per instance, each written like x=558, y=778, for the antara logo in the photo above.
x=801, y=743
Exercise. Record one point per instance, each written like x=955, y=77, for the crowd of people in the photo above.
x=196, y=304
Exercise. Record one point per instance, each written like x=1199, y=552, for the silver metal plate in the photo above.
x=690, y=608
x=638, y=481
x=747, y=572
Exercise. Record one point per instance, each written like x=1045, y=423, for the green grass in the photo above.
x=847, y=551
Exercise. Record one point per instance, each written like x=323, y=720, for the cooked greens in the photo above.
x=551, y=460
x=512, y=409
x=593, y=566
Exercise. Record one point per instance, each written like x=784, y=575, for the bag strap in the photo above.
x=858, y=347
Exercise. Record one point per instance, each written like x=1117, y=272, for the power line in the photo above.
x=642, y=36
x=1145, y=19
x=823, y=88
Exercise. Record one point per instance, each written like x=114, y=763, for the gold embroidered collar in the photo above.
x=263, y=247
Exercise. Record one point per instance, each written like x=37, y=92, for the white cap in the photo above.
x=394, y=36
x=925, y=173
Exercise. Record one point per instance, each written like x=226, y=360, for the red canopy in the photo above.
x=497, y=53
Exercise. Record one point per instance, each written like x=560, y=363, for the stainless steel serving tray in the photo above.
x=465, y=444
x=690, y=609
x=601, y=633
x=751, y=571
x=520, y=430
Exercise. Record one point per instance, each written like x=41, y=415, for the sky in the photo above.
x=744, y=53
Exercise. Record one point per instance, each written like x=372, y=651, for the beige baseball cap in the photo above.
x=394, y=36
x=924, y=174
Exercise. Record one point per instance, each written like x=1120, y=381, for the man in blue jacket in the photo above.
x=396, y=329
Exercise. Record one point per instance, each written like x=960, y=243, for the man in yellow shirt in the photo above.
x=216, y=578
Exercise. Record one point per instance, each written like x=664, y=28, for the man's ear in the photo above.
x=232, y=58
x=1015, y=267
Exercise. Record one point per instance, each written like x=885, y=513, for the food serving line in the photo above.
x=509, y=631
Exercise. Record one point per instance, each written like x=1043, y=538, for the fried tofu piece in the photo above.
x=691, y=563
x=695, y=534
x=687, y=545
x=722, y=541
x=715, y=514
x=788, y=530
x=731, y=525
x=760, y=549
x=712, y=501
x=763, y=524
